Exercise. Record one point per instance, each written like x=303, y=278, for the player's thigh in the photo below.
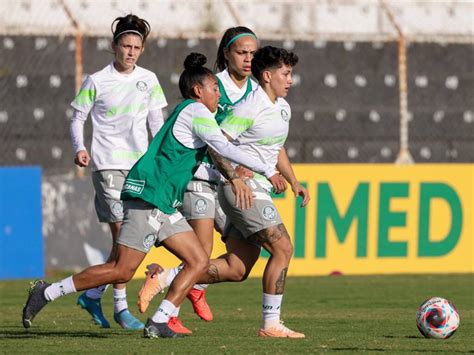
x=275, y=240
x=241, y=255
x=187, y=247
x=204, y=229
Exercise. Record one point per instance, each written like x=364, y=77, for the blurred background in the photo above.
x=377, y=82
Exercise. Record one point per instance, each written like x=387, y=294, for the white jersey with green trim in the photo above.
x=196, y=127
x=234, y=93
x=259, y=127
x=119, y=105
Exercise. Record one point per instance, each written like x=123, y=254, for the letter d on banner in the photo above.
x=429, y=191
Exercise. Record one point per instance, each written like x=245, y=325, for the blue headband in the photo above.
x=236, y=37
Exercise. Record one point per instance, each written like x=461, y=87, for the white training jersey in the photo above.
x=234, y=93
x=205, y=171
x=259, y=127
x=119, y=105
x=196, y=127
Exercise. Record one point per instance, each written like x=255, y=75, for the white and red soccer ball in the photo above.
x=437, y=318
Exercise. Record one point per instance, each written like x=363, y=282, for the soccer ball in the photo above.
x=437, y=318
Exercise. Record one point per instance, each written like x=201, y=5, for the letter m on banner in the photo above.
x=327, y=210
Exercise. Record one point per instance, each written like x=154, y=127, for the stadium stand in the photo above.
x=345, y=98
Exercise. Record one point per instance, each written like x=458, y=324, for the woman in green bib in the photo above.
x=153, y=191
x=200, y=206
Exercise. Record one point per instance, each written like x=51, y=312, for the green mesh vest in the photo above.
x=161, y=175
x=223, y=109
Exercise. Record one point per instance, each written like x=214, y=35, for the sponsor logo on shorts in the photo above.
x=201, y=206
x=134, y=186
x=142, y=86
x=117, y=208
x=284, y=115
x=149, y=241
x=269, y=212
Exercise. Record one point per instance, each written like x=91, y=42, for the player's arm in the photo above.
x=155, y=120
x=82, y=104
x=81, y=157
x=243, y=194
x=156, y=103
x=285, y=168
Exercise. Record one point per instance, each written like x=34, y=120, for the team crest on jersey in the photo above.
x=117, y=208
x=269, y=212
x=149, y=241
x=142, y=86
x=201, y=205
x=284, y=115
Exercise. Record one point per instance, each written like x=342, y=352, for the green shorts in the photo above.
x=201, y=202
x=144, y=225
x=242, y=224
x=108, y=185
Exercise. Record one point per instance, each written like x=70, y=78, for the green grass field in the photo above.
x=337, y=314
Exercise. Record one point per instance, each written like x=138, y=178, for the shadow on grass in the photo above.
x=25, y=334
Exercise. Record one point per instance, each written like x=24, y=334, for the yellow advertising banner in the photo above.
x=374, y=219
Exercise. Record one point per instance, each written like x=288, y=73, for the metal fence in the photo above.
x=384, y=90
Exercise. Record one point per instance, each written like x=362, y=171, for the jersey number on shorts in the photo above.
x=110, y=177
x=197, y=186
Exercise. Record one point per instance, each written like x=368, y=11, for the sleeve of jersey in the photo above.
x=206, y=128
x=77, y=130
x=157, y=96
x=155, y=120
x=85, y=99
x=237, y=121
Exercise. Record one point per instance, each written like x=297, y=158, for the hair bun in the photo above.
x=194, y=61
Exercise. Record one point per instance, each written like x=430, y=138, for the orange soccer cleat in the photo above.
x=176, y=326
x=279, y=331
x=155, y=282
x=200, y=306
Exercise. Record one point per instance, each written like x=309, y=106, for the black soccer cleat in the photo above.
x=35, y=302
x=159, y=330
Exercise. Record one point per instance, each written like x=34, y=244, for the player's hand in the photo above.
x=243, y=172
x=82, y=158
x=300, y=190
x=278, y=183
x=243, y=194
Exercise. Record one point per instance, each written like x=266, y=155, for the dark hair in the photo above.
x=130, y=24
x=230, y=33
x=269, y=57
x=194, y=73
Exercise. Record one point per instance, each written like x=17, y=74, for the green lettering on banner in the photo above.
x=300, y=226
x=327, y=209
x=388, y=219
x=429, y=191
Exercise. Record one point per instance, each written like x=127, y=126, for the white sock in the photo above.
x=96, y=292
x=120, y=299
x=200, y=287
x=176, y=312
x=173, y=273
x=59, y=289
x=271, y=306
x=164, y=312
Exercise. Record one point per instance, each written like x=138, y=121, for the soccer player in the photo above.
x=152, y=191
x=259, y=125
x=200, y=206
x=121, y=98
